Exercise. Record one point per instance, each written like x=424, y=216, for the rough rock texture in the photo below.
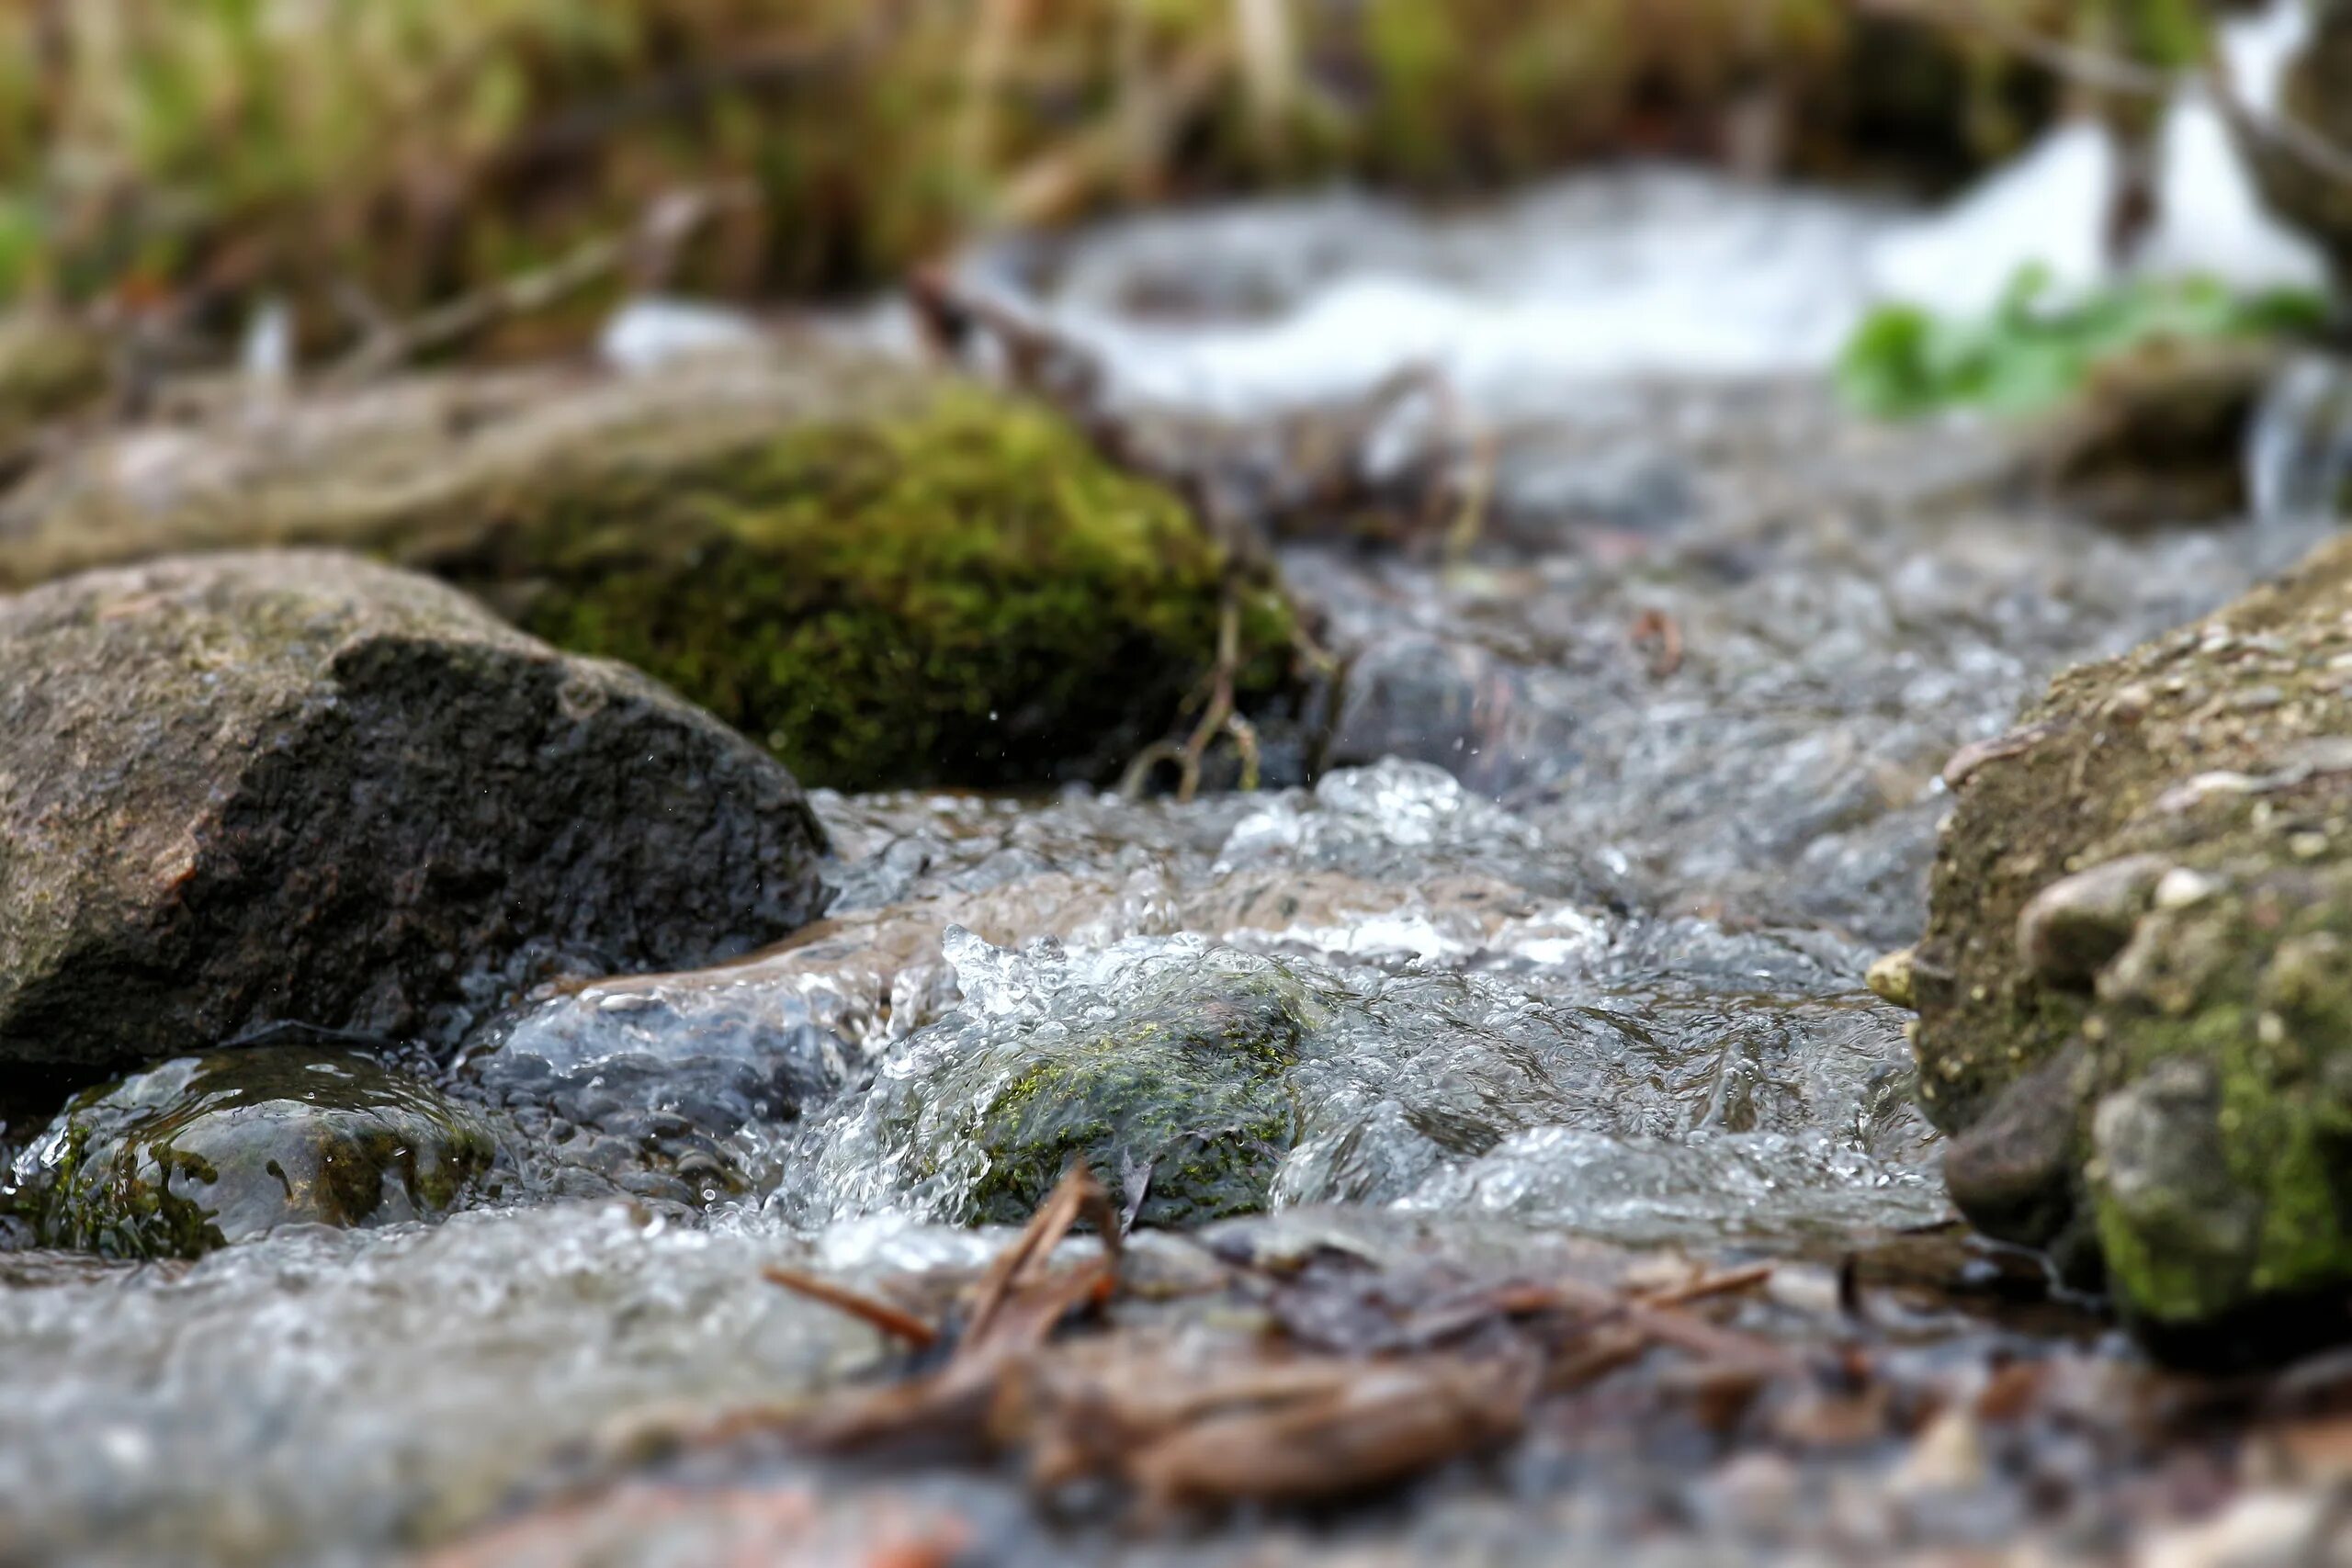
x=204, y=1151
x=886, y=575
x=247, y=789
x=2135, y=1007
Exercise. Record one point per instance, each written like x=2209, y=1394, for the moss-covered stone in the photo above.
x=1180, y=1103
x=889, y=576
x=2152, y=880
x=205, y=1151
x=965, y=594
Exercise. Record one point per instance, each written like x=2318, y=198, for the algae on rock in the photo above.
x=1177, y=1095
x=887, y=576
x=204, y=1151
x=2140, y=916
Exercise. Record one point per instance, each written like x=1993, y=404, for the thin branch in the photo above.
x=2113, y=73
x=876, y=1314
x=2092, y=68
x=667, y=224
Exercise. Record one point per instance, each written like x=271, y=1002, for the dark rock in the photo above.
x=2158, y=435
x=204, y=1151
x=2315, y=95
x=248, y=789
x=2014, y=1171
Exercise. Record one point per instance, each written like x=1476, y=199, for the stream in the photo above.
x=1564, y=931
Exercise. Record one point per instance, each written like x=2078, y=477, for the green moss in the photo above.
x=963, y=594
x=2215, y=1116
x=2249, y=987
x=204, y=1151
x=1179, y=1101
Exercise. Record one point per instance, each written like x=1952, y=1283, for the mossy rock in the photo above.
x=1181, y=1104
x=2135, y=1004
x=887, y=576
x=205, y=1151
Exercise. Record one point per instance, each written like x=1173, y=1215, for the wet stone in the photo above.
x=207, y=1151
x=1452, y=703
x=1224, y=1080
x=1177, y=1089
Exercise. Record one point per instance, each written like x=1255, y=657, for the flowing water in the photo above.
x=1563, y=943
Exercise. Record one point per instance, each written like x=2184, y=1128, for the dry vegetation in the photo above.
x=375, y=155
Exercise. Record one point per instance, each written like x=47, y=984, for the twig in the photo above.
x=1729, y=1282
x=1079, y=1196
x=879, y=1314
x=2110, y=73
x=2092, y=68
x=667, y=224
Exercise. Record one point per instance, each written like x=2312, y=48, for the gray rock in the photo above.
x=1431, y=699
x=296, y=787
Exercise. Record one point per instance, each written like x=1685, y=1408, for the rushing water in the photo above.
x=1565, y=939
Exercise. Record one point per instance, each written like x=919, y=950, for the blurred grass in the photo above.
x=405, y=151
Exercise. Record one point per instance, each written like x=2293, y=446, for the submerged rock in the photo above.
x=208, y=1150
x=2134, y=995
x=1201, y=1078
x=251, y=789
x=886, y=576
x=1176, y=1091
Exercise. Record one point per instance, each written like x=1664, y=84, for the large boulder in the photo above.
x=2135, y=996
x=250, y=789
x=886, y=575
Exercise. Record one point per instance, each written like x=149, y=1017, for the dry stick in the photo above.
x=2109, y=72
x=667, y=223
x=1708, y=1285
x=1079, y=1196
x=878, y=1314
x=1656, y=1323
x=1054, y=182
